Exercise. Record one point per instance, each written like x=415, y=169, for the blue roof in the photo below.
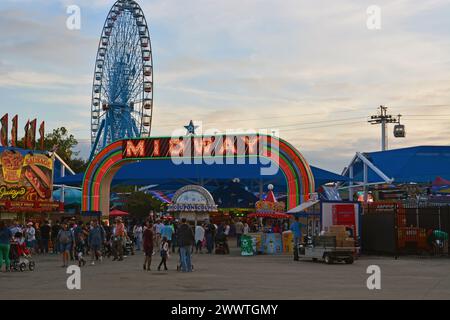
x=416, y=164
x=171, y=176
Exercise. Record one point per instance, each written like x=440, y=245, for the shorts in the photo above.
x=65, y=247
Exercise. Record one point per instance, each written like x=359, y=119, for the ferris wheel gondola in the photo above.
x=122, y=89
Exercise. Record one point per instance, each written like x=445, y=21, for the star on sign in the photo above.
x=191, y=128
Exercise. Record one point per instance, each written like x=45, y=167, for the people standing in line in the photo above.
x=118, y=239
x=66, y=241
x=138, y=231
x=199, y=237
x=167, y=231
x=239, y=231
x=185, y=240
x=30, y=237
x=97, y=236
x=45, y=230
x=210, y=234
x=5, y=240
x=54, y=236
x=297, y=232
x=164, y=252
x=148, y=245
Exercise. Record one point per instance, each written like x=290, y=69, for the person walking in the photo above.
x=199, y=237
x=210, y=233
x=54, y=235
x=66, y=241
x=45, y=236
x=147, y=238
x=118, y=239
x=96, y=237
x=239, y=231
x=185, y=240
x=138, y=231
x=297, y=232
x=167, y=231
x=158, y=228
x=5, y=239
x=30, y=237
x=226, y=232
x=164, y=252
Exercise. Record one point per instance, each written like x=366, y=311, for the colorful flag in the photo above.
x=15, y=122
x=42, y=133
x=4, y=131
x=31, y=144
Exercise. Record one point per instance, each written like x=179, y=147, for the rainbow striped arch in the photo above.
x=100, y=172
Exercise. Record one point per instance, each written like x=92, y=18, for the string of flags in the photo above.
x=29, y=137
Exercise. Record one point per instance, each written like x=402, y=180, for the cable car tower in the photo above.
x=384, y=119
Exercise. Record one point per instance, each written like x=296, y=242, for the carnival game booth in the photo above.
x=267, y=224
x=192, y=202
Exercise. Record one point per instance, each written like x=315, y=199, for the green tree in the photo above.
x=139, y=204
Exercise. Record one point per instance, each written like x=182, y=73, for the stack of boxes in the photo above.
x=342, y=238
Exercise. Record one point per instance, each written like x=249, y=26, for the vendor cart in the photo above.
x=324, y=248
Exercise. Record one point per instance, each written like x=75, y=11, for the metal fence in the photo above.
x=397, y=228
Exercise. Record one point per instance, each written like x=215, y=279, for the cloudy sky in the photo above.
x=311, y=69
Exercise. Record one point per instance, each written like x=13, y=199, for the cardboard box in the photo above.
x=348, y=243
x=337, y=229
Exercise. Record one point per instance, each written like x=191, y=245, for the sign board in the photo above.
x=340, y=213
x=26, y=182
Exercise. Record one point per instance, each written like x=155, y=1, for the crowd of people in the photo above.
x=79, y=241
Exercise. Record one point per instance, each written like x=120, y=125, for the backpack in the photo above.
x=65, y=237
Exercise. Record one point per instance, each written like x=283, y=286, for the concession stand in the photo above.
x=26, y=184
x=192, y=202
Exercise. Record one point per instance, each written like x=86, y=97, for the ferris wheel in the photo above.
x=122, y=92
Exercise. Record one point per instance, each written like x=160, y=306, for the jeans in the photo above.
x=4, y=255
x=138, y=243
x=185, y=257
x=118, y=248
x=296, y=244
x=209, y=243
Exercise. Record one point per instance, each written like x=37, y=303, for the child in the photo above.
x=81, y=249
x=164, y=253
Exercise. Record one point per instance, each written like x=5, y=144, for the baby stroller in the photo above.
x=221, y=244
x=128, y=247
x=20, y=257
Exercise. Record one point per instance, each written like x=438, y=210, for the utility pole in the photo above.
x=384, y=119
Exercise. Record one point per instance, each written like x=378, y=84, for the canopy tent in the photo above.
x=71, y=196
x=233, y=194
x=441, y=186
x=118, y=213
x=416, y=164
x=169, y=176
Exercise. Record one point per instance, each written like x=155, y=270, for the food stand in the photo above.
x=26, y=183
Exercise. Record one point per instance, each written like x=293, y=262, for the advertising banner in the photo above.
x=26, y=181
